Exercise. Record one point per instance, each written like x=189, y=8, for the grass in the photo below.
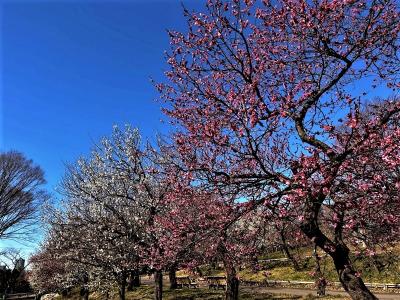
x=283, y=270
x=388, y=272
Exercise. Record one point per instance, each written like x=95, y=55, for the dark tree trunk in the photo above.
x=232, y=282
x=339, y=253
x=84, y=293
x=121, y=291
x=172, y=278
x=199, y=272
x=254, y=264
x=320, y=281
x=158, y=288
x=122, y=285
x=348, y=276
x=286, y=249
x=134, y=280
x=289, y=256
x=39, y=295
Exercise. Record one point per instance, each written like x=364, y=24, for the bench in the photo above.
x=185, y=281
x=251, y=282
x=216, y=282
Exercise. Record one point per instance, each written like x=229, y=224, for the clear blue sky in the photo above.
x=72, y=69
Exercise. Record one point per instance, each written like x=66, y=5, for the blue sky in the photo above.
x=72, y=69
x=69, y=70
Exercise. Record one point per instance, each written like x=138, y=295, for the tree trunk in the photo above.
x=84, y=293
x=121, y=291
x=84, y=289
x=39, y=295
x=199, y=272
x=172, y=277
x=286, y=249
x=158, y=288
x=320, y=281
x=86, y=296
x=348, y=276
x=289, y=256
x=254, y=264
x=232, y=282
x=134, y=280
x=122, y=286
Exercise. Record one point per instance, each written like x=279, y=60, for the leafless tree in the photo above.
x=9, y=257
x=21, y=194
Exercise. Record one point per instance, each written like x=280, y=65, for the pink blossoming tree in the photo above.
x=204, y=227
x=261, y=92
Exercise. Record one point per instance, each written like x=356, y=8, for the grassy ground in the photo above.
x=382, y=269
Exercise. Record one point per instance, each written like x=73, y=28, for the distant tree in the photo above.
x=286, y=236
x=50, y=272
x=21, y=193
x=9, y=257
x=13, y=274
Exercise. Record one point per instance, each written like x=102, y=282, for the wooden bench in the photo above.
x=250, y=283
x=216, y=282
x=186, y=281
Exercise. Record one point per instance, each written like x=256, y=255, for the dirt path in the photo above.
x=305, y=292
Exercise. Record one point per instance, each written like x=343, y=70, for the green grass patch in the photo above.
x=382, y=268
x=283, y=270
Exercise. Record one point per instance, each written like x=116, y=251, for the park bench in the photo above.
x=185, y=281
x=216, y=282
x=251, y=282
